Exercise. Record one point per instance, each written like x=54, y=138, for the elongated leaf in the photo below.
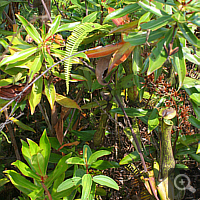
x=153, y=121
x=131, y=112
x=86, y=186
x=75, y=161
x=103, y=51
x=122, y=12
x=50, y=92
x=7, y=81
x=69, y=183
x=159, y=55
x=20, y=182
x=104, y=164
x=68, y=26
x=21, y=124
x=145, y=18
x=35, y=66
x=179, y=63
x=26, y=153
x=198, y=148
x=194, y=121
x=97, y=155
x=61, y=167
x=120, y=56
x=150, y=9
x=21, y=55
x=87, y=152
x=36, y=94
x=25, y=170
x=4, y=43
x=140, y=37
x=91, y=17
x=66, y=102
x=106, y=181
x=31, y=30
x=46, y=149
x=38, y=163
x=158, y=23
x=54, y=26
x=189, y=36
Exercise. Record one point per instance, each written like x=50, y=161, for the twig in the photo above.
x=58, y=8
x=12, y=136
x=47, y=12
x=8, y=18
x=70, y=122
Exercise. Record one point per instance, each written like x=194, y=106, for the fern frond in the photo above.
x=73, y=42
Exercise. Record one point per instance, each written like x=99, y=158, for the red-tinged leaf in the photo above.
x=117, y=21
x=103, y=51
x=120, y=56
x=125, y=28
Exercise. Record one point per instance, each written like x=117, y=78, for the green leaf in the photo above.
x=86, y=186
x=195, y=157
x=194, y=121
x=36, y=94
x=69, y=183
x=26, y=153
x=106, y=181
x=121, y=12
x=145, y=18
x=97, y=155
x=150, y=9
x=159, y=55
x=21, y=55
x=4, y=43
x=35, y=66
x=25, y=170
x=84, y=135
x=21, y=125
x=3, y=181
x=33, y=147
x=66, y=102
x=53, y=27
x=61, y=167
x=75, y=161
x=153, y=121
x=68, y=26
x=91, y=17
x=156, y=24
x=189, y=36
x=31, y=30
x=140, y=37
x=46, y=149
x=104, y=164
x=86, y=153
x=131, y=112
x=7, y=81
x=50, y=92
x=20, y=182
x=198, y=148
x=179, y=63
x=37, y=161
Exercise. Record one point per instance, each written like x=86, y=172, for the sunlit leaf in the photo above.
x=21, y=125
x=69, y=183
x=66, y=102
x=31, y=30
x=106, y=181
x=86, y=186
x=153, y=120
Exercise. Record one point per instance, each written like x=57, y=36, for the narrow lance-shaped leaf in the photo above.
x=31, y=30
x=21, y=124
x=36, y=93
x=150, y=9
x=46, y=149
x=54, y=26
x=179, y=63
x=50, y=92
x=153, y=121
x=37, y=160
x=21, y=55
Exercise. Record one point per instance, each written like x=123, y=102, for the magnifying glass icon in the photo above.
x=180, y=180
